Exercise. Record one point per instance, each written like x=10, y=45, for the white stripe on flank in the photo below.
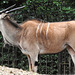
x=47, y=29
x=41, y=28
x=37, y=29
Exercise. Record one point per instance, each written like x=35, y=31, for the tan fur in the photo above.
x=58, y=36
x=54, y=35
x=52, y=39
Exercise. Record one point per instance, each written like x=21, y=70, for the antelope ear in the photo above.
x=3, y=16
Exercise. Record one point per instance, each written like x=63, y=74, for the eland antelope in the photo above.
x=35, y=37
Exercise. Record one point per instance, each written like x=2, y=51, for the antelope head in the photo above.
x=5, y=19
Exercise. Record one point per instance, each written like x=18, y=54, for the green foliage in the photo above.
x=48, y=10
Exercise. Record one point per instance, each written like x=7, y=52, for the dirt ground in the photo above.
x=14, y=71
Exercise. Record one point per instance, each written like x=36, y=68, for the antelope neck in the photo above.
x=10, y=31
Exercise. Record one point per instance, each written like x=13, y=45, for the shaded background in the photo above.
x=47, y=10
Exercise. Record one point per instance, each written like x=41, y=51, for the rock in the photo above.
x=14, y=71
